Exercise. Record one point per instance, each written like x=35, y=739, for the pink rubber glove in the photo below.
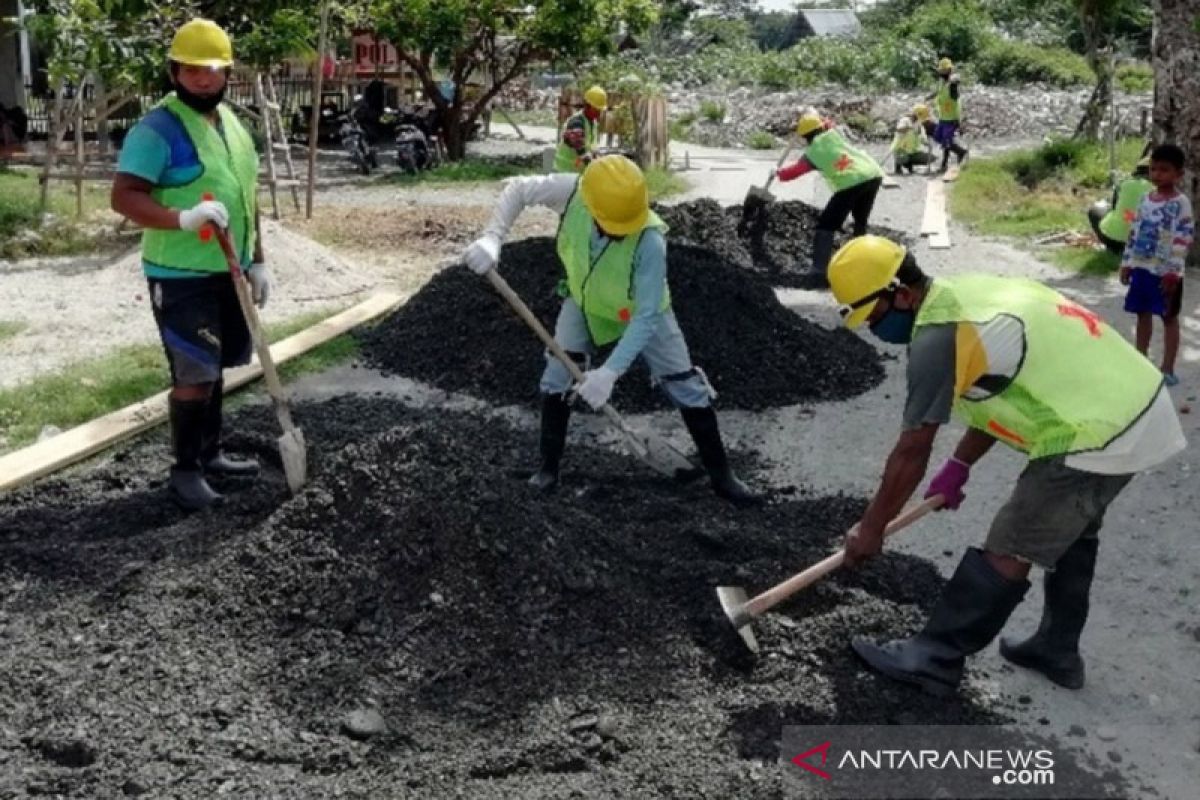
x=949, y=482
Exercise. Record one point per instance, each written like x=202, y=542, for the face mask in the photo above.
x=896, y=326
x=201, y=104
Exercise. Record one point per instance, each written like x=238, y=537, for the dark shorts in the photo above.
x=201, y=325
x=1051, y=507
x=945, y=132
x=1145, y=296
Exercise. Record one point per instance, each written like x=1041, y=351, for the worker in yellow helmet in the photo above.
x=577, y=139
x=613, y=250
x=851, y=173
x=1020, y=364
x=909, y=147
x=948, y=101
x=189, y=165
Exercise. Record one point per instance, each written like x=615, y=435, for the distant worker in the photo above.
x=189, y=165
x=1152, y=267
x=1021, y=364
x=909, y=147
x=1111, y=223
x=578, y=137
x=853, y=176
x=921, y=116
x=949, y=113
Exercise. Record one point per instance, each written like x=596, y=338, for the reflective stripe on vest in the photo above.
x=1080, y=384
x=1117, y=222
x=229, y=173
x=565, y=157
x=949, y=109
x=842, y=165
x=601, y=287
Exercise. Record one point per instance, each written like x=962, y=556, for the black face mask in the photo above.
x=202, y=104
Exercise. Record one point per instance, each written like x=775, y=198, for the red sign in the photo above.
x=373, y=54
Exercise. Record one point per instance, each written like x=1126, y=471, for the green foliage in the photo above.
x=22, y=233
x=10, y=328
x=761, y=140
x=712, y=111
x=662, y=183
x=287, y=33
x=680, y=128
x=467, y=171
x=1004, y=61
x=1135, y=78
x=957, y=30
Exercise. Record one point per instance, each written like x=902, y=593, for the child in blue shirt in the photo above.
x=1152, y=266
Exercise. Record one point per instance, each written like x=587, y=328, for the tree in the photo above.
x=1099, y=21
x=1176, y=58
x=494, y=40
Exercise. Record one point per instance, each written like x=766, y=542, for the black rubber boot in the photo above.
x=1054, y=649
x=960, y=153
x=822, y=250
x=945, y=159
x=188, y=487
x=211, y=458
x=702, y=425
x=556, y=413
x=972, y=609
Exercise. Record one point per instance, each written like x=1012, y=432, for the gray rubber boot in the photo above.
x=1054, y=649
x=972, y=609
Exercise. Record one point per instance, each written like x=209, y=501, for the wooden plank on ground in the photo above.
x=951, y=174
x=934, y=218
x=41, y=459
x=939, y=240
x=890, y=183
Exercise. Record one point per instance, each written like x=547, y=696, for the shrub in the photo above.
x=1003, y=61
x=761, y=140
x=18, y=209
x=712, y=110
x=954, y=29
x=1135, y=78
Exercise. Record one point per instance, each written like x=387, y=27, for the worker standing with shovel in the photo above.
x=189, y=166
x=613, y=251
x=1021, y=364
x=853, y=176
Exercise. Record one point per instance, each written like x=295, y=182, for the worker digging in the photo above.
x=613, y=251
x=187, y=166
x=1023, y=365
x=852, y=175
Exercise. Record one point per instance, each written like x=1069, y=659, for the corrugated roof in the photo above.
x=832, y=21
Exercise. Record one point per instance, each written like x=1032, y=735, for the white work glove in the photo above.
x=260, y=278
x=214, y=211
x=483, y=254
x=597, y=386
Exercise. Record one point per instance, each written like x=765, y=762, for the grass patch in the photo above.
x=1135, y=78
x=662, y=183
x=541, y=117
x=712, y=111
x=10, y=328
x=20, y=233
x=466, y=171
x=761, y=140
x=680, y=128
x=1026, y=194
x=86, y=390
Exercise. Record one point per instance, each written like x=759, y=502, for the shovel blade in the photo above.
x=733, y=602
x=657, y=453
x=294, y=453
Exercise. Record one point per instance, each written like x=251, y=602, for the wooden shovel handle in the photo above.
x=777, y=594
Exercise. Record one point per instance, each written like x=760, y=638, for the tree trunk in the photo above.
x=1176, y=56
x=1101, y=64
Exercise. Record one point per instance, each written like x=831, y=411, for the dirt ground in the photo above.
x=517, y=646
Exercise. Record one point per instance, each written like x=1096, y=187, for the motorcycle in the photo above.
x=354, y=141
x=413, y=149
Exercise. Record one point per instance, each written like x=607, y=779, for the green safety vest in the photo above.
x=1080, y=384
x=842, y=165
x=601, y=287
x=565, y=158
x=1118, y=221
x=949, y=109
x=230, y=175
x=907, y=142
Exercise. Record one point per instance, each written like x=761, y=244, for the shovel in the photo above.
x=757, y=199
x=741, y=612
x=658, y=454
x=292, y=450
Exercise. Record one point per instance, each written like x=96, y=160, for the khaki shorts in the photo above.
x=1051, y=507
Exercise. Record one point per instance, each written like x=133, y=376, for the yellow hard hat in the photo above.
x=596, y=97
x=614, y=191
x=921, y=111
x=862, y=271
x=201, y=43
x=945, y=65
x=809, y=122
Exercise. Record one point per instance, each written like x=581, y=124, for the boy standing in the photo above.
x=1152, y=266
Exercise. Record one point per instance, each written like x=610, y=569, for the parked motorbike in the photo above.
x=414, y=151
x=354, y=141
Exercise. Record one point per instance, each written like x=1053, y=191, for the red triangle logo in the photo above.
x=801, y=760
